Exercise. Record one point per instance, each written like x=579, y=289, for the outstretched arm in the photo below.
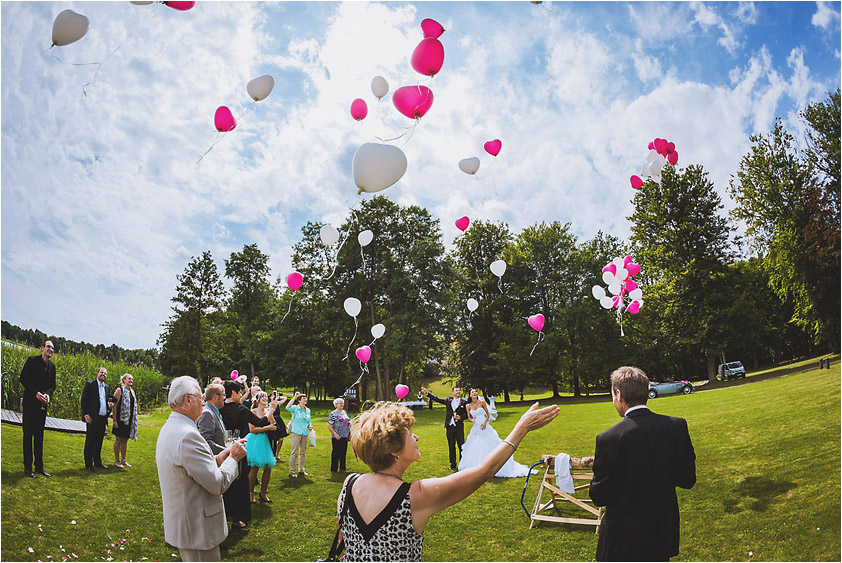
x=433, y=397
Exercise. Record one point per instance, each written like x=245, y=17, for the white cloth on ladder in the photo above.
x=563, y=479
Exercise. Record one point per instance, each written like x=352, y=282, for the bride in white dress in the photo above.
x=482, y=439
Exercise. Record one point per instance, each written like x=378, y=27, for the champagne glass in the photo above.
x=229, y=438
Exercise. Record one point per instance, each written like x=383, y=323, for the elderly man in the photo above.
x=637, y=466
x=210, y=423
x=38, y=378
x=192, y=480
x=97, y=402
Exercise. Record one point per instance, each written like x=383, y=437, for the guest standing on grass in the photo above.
x=454, y=421
x=638, y=463
x=125, y=419
x=385, y=517
x=276, y=437
x=259, y=454
x=192, y=479
x=38, y=378
x=340, y=429
x=210, y=423
x=96, y=404
x=300, y=429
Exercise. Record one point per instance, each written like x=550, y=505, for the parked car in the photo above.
x=731, y=370
x=669, y=388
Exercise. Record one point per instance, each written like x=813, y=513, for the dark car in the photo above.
x=669, y=388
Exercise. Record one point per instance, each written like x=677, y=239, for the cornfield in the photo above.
x=72, y=371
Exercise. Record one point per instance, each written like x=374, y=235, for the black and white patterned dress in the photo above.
x=388, y=537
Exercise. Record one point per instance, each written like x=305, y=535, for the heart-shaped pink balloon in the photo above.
x=610, y=268
x=627, y=259
x=537, y=321
x=431, y=28
x=631, y=285
x=493, y=147
x=401, y=390
x=636, y=182
x=632, y=268
x=634, y=308
x=364, y=354
x=294, y=280
x=413, y=101
x=428, y=57
x=224, y=120
x=235, y=374
x=673, y=158
x=180, y=6
x=358, y=109
x=651, y=146
x=462, y=223
x=617, y=300
x=661, y=145
x=670, y=148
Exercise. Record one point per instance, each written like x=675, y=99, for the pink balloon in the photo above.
x=673, y=158
x=651, y=146
x=631, y=285
x=364, y=354
x=627, y=259
x=223, y=120
x=632, y=268
x=413, y=101
x=294, y=280
x=634, y=308
x=636, y=182
x=431, y=29
x=493, y=147
x=617, y=300
x=660, y=145
x=235, y=374
x=462, y=223
x=428, y=57
x=537, y=321
x=670, y=147
x=610, y=268
x=358, y=109
x=180, y=6
x=401, y=390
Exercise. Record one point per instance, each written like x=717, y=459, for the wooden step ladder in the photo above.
x=550, y=497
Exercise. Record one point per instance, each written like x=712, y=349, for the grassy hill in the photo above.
x=768, y=465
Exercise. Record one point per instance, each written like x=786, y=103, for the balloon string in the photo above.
x=336, y=260
x=540, y=338
x=363, y=257
x=500, y=284
x=348, y=351
x=354, y=384
x=219, y=137
x=290, y=308
x=620, y=316
x=84, y=92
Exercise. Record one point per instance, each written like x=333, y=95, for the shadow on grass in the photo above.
x=756, y=493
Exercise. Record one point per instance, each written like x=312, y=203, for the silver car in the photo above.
x=669, y=388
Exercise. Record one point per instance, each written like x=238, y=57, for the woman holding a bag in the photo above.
x=299, y=428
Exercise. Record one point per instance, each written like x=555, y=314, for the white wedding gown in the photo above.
x=480, y=443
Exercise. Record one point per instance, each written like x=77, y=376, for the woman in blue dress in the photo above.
x=259, y=452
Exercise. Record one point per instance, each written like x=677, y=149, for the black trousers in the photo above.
x=94, y=433
x=455, y=440
x=33, y=437
x=337, y=454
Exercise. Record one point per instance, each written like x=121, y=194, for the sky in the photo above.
x=103, y=202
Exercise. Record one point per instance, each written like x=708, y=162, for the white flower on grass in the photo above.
x=31, y=550
x=73, y=522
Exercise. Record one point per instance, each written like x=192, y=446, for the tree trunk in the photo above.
x=576, y=391
x=712, y=367
x=555, y=389
x=381, y=385
x=376, y=354
x=251, y=360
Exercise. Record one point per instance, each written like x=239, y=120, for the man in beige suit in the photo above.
x=192, y=479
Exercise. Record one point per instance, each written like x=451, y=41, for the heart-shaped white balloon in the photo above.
x=69, y=27
x=260, y=87
x=469, y=165
x=365, y=237
x=598, y=291
x=379, y=87
x=621, y=274
x=376, y=167
x=606, y=302
x=498, y=268
x=653, y=154
x=618, y=262
x=636, y=294
x=353, y=306
x=614, y=288
x=328, y=234
x=378, y=330
x=608, y=278
x=473, y=304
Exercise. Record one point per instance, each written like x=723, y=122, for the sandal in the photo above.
x=266, y=499
x=118, y=464
x=238, y=525
x=251, y=498
x=126, y=464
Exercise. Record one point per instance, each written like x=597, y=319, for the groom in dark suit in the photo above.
x=453, y=421
x=96, y=404
x=638, y=463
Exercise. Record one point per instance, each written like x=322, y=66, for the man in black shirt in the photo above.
x=38, y=378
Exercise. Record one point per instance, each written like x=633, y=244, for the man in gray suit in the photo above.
x=192, y=479
x=210, y=423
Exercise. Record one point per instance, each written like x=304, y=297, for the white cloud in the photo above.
x=825, y=15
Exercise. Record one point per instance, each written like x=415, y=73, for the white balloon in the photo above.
x=655, y=167
x=69, y=27
x=636, y=294
x=498, y=268
x=621, y=274
x=657, y=178
x=615, y=288
x=260, y=87
x=608, y=278
x=353, y=306
x=378, y=330
x=606, y=302
x=376, y=167
x=379, y=87
x=646, y=169
x=653, y=154
x=469, y=165
x=328, y=234
x=598, y=291
x=365, y=237
x=140, y=2
x=473, y=304
x=618, y=262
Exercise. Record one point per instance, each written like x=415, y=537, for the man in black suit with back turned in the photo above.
x=453, y=421
x=96, y=404
x=38, y=378
x=638, y=463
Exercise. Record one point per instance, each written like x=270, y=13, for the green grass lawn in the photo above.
x=768, y=466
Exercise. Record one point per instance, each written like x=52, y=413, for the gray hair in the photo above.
x=180, y=387
x=336, y=401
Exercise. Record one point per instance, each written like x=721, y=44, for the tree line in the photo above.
x=710, y=296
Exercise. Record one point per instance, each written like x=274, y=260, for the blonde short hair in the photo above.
x=377, y=435
x=124, y=376
x=255, y=399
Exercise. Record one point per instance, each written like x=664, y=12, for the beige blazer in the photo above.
x=191, y=486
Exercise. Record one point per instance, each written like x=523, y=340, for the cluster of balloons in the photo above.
x=661, y=153
x=625, y=294
x=258, y=89
x=70, y=27
x=471, y=165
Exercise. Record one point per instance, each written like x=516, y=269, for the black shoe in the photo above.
x=453, y=467
x=101, y=466
x=29, y=474
x=44, y=473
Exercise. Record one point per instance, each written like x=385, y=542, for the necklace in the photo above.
x=388, y=475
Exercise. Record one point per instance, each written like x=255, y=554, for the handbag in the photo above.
x=312, y=437
x=339, y=546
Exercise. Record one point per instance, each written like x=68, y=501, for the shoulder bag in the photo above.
x=339, y=546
